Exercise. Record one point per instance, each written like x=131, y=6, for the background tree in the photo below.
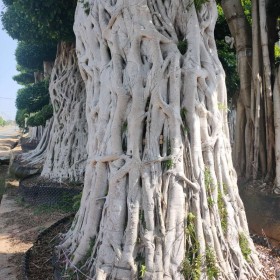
x=254, y=143
x=49, y=24
x=37, y=21
x=24, y=78
x=31, y=56
x=34, y=97
x=160, y=198
x=2, y=121
x=40, y=117
x=21, y=115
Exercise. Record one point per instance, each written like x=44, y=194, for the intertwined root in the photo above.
x=66, y=152
x=160, y=199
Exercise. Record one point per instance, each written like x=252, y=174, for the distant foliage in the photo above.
x=33, y=98
x=31, y=56
x=20, y=117
x=2, y=121
x=24, y=78
x=41, y=117
x=39, y=21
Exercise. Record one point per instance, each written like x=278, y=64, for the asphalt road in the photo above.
x=9, y=132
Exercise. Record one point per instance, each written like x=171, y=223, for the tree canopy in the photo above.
x=33, y=98
x=40, y=118
x=39, y=20
x=24, y=78
x=31, y=56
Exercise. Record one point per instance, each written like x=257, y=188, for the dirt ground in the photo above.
x=19, y=227
x=20, y=224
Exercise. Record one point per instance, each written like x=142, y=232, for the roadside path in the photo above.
x=19, y=223
x=9, y=131
x=8, y=140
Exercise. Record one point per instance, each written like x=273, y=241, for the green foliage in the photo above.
x=2, y=122
x=24, y=78
x=247, y=8
x=228, y=59
x=19, y=26
x=142, y=271
x=40, y=20
x=222, y=211
x=226, y=55
x=8, y=2
x=211, y=263
x=33, y=97
x=168, y=164
x=209, y=185
x=31, y=56
x=244, y=246
x=20, y=117
x=277, y=54
x=40, y=118
x=191, y=265
x=182, y=46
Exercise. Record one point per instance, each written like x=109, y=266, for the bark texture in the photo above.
x=66, y=153
x=160, y=192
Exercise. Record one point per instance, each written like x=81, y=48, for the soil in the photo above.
x=40, y=262
x=41, y=266
x=20, y=225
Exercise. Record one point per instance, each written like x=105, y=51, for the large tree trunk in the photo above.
x=66, y=153
x=160, y=197
x=241, y=31
x=62, y=149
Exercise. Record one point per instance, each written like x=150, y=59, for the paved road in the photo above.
x=9, y=132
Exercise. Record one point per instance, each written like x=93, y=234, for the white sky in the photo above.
x=8, y=87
